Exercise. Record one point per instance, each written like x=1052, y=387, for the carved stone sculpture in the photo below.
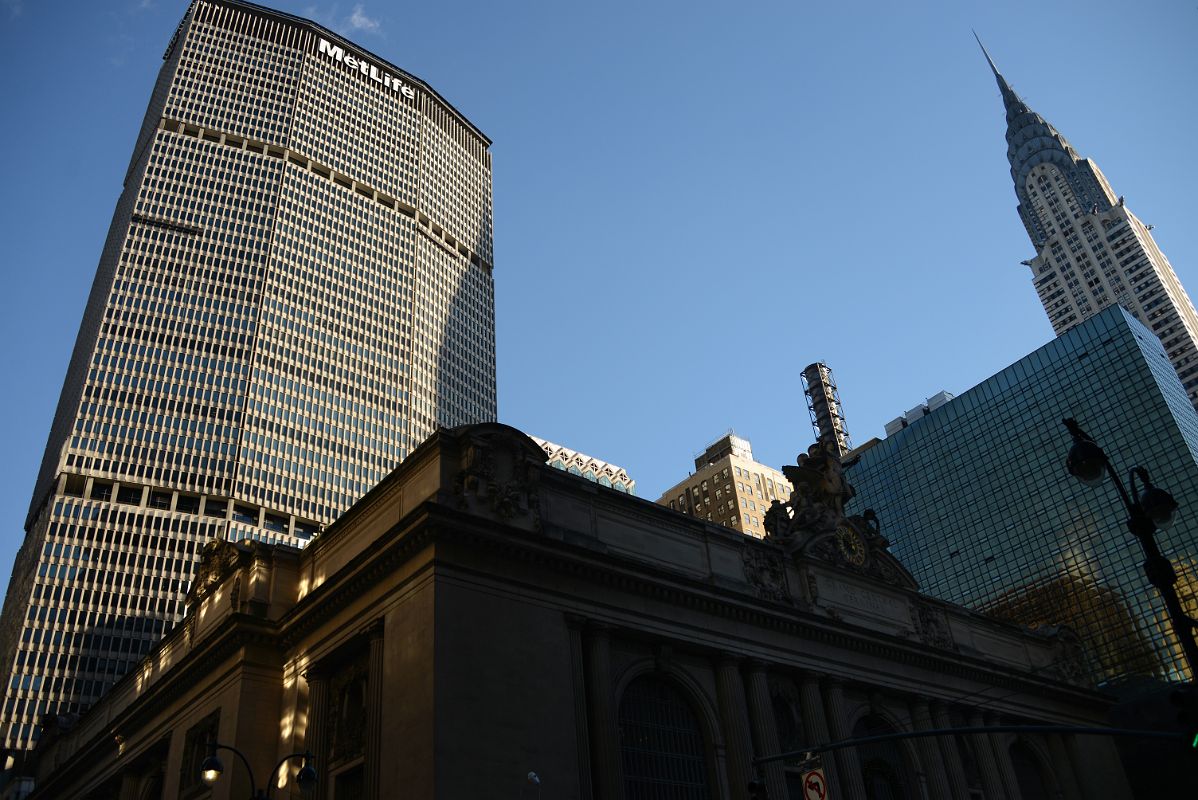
x=812, y=523
x=765, y=571
x=816, y=504
x=218, y=560
x=497, y=477
x=931, y=624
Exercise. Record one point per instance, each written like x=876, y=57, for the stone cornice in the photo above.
x=438, y=521
x=363, y=571
x=432, y=522
x=194, y=668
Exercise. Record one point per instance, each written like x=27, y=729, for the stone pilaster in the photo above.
x=601, y=712
x=130, y=786
x=1097, y=767
x=1002, y=758
x=574, y=627
x=765, y=731
x=815, y=724
x=316, y=735
x=933, y=763
x=851, y=783
x=983, y=748
x=373, y=738
x=954, y=769
x=1062, y=767
x=737, y=740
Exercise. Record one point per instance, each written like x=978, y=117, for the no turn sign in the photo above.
x=815, y=784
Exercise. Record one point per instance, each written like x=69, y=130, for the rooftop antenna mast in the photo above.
x=823, y=403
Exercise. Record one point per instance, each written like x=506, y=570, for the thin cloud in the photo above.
x=118, y=48
x=358, y=21
x=16, y=8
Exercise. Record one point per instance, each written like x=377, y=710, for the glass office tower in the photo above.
x=976, y=502
x=295, y=291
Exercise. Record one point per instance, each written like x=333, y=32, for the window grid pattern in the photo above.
x=235, y=82
x=1091, y=252
x=661, y=743
x=976, y=502
x=453, y=336
x=734, y=492
x=1094, y=258
x=328, y=405
x=109, y=582
x=164, y=397
x=455, y=186
x=247, y=362
x=381, y=141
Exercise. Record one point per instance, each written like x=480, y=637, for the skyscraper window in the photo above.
x=295, y=292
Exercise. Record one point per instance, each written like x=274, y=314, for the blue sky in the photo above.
x=692, y=200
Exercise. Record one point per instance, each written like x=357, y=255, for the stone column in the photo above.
x=373, y=738
x=815, y=724
x=1079, y=759
x=765, y=732
x=574, y=626
x=316, y=735
x=1062, y=767
x=737, y=741
x=1002, y=758
x=1097, y=767
x=953, y=766
x=601, y=712
x=984, y=749
x=929, y=753
x=851, y=782
x=130, y=786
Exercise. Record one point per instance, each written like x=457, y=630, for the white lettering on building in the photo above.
x=369, y=71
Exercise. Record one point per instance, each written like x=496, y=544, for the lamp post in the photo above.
x=212, y=768
x=1153, y=509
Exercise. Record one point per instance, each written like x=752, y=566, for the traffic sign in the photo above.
x=815, y=784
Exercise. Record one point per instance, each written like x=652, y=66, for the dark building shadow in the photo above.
x=98, y=659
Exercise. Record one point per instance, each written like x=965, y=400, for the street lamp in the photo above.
x=212, y=768
x=1153, y=509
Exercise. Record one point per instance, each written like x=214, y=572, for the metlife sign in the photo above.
x=368, y=70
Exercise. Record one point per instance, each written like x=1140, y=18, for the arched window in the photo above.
x=661, y=743
x=1029, y=773
x=882, y=769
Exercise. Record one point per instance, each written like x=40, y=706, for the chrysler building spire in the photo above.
x=1010, y=99
x=1091, y=251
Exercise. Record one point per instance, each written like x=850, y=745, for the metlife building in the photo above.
x=296, y=290
x=976, y=502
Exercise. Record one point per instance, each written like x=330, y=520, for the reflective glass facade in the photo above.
x=295, y=292
x=976, y=502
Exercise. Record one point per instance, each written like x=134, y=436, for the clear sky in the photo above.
x=693, y=200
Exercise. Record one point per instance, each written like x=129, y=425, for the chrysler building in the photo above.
x=1091, y=251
